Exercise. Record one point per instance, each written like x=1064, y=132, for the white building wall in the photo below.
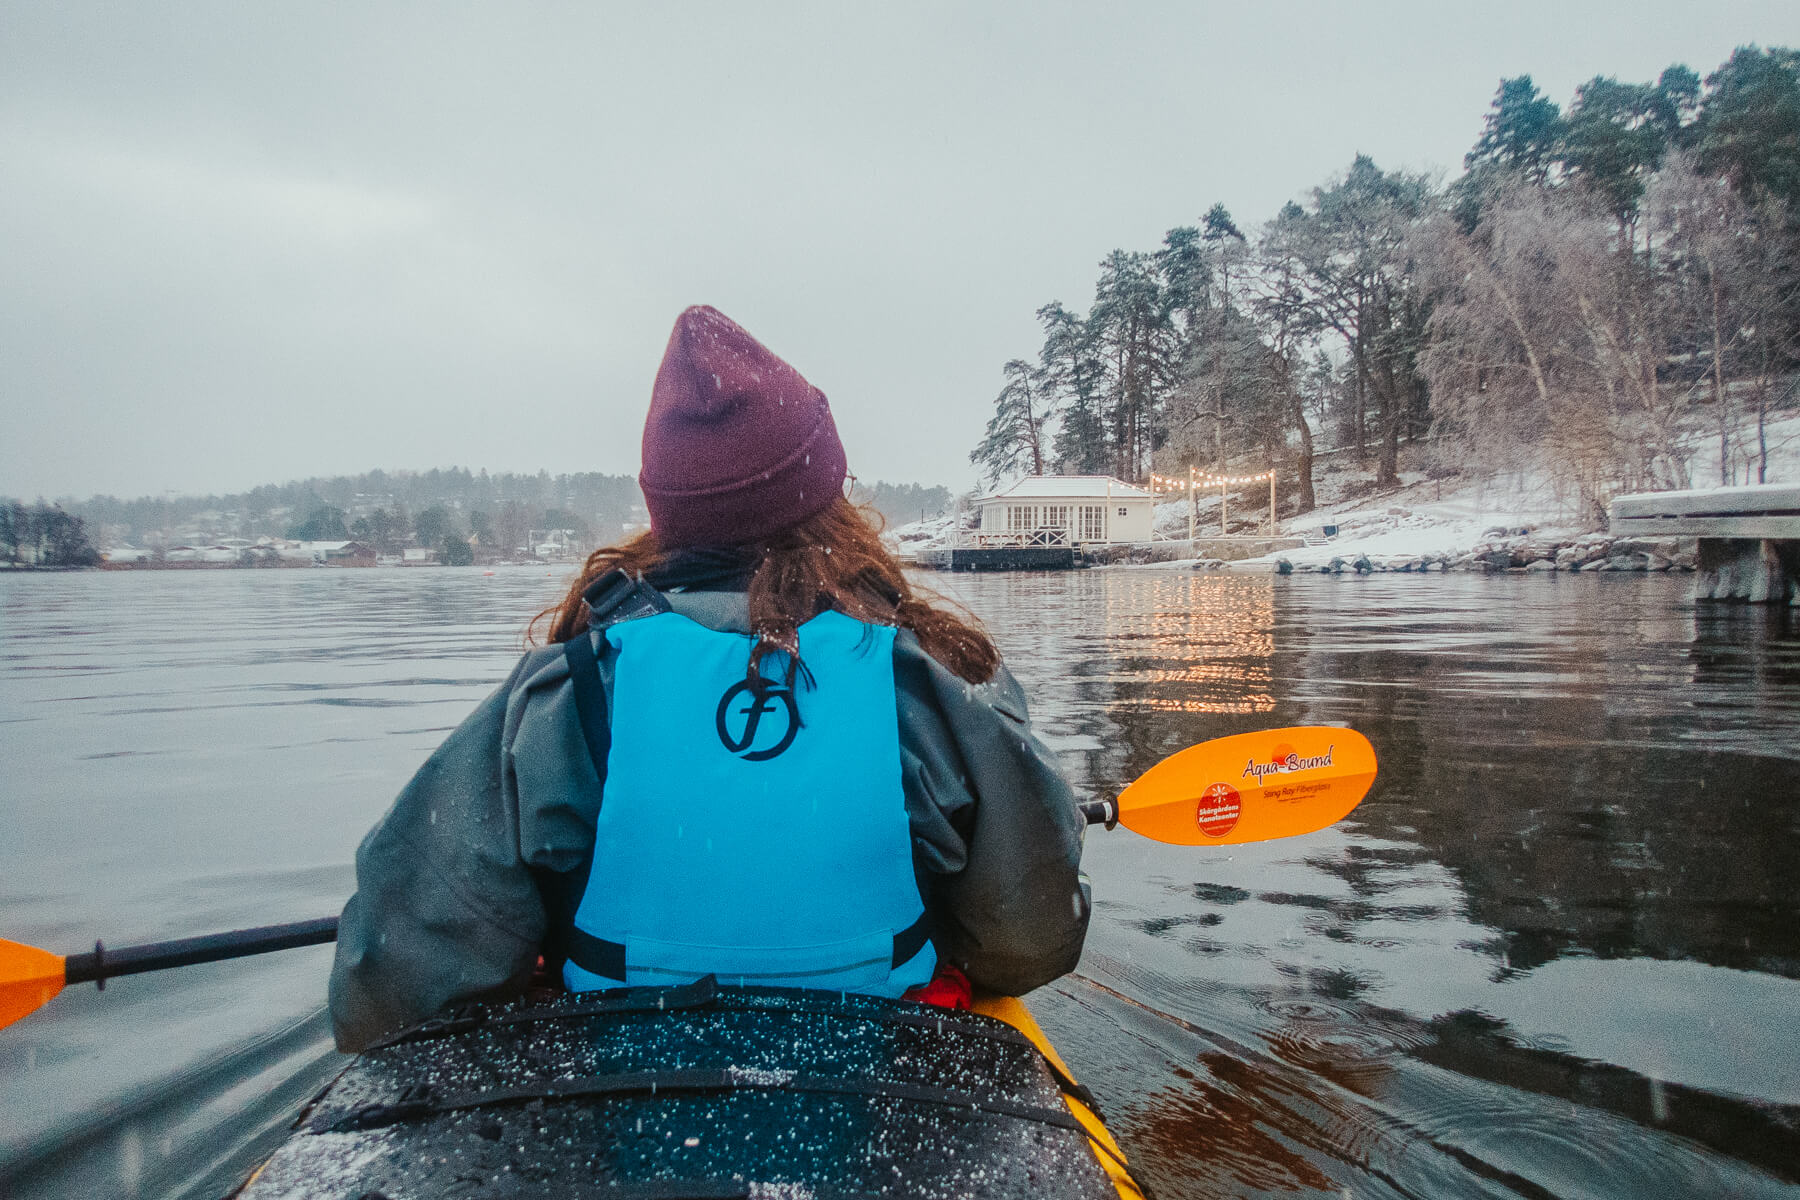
x=1131, y=520
x=1087, y=518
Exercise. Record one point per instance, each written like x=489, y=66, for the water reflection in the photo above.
x=189, y=752
x=1191, y=644
x=1555, y=953
x=1571, y=885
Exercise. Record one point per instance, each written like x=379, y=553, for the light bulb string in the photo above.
x=1208, y=481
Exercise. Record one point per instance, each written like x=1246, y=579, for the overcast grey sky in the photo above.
x=246, y=243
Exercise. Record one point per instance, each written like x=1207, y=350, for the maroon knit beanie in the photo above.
x=737, y=445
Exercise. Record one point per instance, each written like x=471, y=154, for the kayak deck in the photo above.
x=702, y=1091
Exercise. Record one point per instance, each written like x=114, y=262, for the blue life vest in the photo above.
x=762, y=838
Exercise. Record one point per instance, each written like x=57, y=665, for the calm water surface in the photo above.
x=1555, y=953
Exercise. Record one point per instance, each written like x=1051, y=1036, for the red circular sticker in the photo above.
x=1218, y=810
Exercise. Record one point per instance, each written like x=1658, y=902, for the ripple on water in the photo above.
x=1348, y=1098
x=1557, y=775
x=1552, y=1149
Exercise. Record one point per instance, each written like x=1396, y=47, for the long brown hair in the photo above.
x=831, y=561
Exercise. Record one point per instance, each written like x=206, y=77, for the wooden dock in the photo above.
x=1749, y=537
x=1001, y=558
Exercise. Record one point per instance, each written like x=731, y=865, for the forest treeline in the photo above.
x=43, y=535
x=1605, y=288
x=393, y=510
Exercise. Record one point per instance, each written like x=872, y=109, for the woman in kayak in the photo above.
x=751, y=750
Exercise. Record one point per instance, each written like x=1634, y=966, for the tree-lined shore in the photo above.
x=43, y=535
x=456, y=515
x=1609, y=293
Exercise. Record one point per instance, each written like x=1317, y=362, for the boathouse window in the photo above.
x=1093, y=523
x=1056, y=516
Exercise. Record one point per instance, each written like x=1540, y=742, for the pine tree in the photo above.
x=1521, y=133
x=1131, y=327
x=1614, y=137
x=1349, y=260
x=1070, y=364
x=1015, y=433
x=1749, y=125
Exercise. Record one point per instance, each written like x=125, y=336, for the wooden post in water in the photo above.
x=1273, y=530
x=1193, y=507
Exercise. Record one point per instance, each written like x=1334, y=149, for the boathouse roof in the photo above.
x=1081, y=487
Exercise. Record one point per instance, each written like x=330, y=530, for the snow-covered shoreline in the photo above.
x=1436, y=520
x=1521, y=523
x=1497, y=550
x=1422, y=525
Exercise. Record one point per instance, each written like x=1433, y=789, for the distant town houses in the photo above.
x=242, y=552
x=554, y=544
x=546, y=545
x=330, y=554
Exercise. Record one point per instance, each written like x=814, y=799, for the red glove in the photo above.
x=949, y=988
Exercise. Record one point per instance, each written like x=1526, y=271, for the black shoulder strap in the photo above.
x=612, y=598
x=616, y=596
x=590, y=697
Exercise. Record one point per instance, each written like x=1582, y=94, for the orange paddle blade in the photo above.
x=1251, y=787
x=29, y=979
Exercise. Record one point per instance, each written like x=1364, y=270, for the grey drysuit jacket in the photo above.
x=478, y=866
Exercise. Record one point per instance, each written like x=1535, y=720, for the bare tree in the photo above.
x=1771, y=299
x=512, y=525
x=1280, y=302
x=1220, y=404
x=1545, y=341
x=1729, y=267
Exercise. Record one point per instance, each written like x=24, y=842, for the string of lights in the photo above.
x=1198, y=480
x=1206, y=480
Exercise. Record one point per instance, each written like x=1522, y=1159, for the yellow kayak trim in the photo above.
x=1012, y=1010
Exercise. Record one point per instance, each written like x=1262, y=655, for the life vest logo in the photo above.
x=757, y=740
x=1284, y=759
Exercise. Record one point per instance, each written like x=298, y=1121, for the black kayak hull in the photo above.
x=703, y=1091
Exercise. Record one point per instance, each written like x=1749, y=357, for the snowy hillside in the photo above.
x=1427, y=518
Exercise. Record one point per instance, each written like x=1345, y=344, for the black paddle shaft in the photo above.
x=1101, y=812
x=104, y=964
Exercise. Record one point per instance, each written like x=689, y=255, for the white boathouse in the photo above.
x=1065, y=510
